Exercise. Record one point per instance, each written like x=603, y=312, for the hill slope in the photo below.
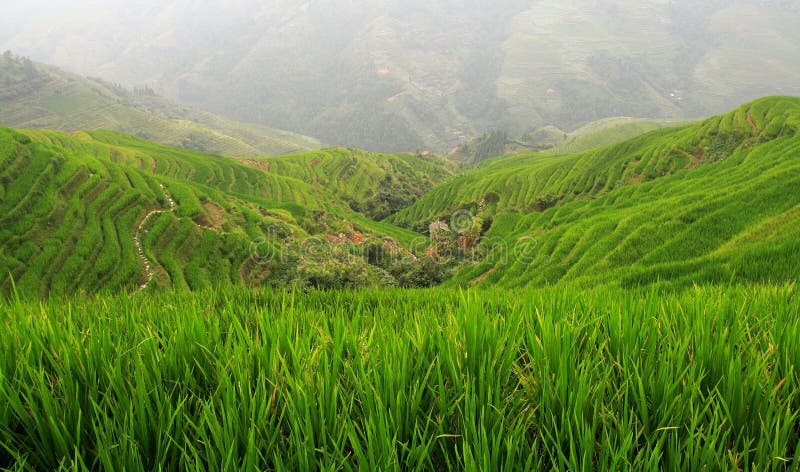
x=553, y=141
x=605, y=132
x=38, y=96
x=377, y=185
x=394, y=75
x=708, y=201
x=105, y=211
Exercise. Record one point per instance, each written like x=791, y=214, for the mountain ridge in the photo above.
x=395, y=76
x=35, y=95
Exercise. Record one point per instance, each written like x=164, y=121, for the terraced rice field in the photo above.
x=713, y=201
x=87, y=213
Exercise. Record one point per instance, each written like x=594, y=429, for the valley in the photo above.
x=399, y=235
x=328, y=218
x=400, y=75
x=184, y=292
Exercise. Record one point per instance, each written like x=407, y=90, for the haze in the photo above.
x=398, y=75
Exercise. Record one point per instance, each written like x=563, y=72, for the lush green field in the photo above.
x=73, y=207
x=672, y=345
x=552, y=379
x=707, y=202
x=38, y=96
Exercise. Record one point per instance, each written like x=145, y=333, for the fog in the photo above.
x=398, y=75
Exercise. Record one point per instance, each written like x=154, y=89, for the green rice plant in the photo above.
x=537, y=379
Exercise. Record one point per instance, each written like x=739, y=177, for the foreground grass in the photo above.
x=491, y=380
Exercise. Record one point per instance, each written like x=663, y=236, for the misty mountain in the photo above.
x=391, y=75
x=34, y=95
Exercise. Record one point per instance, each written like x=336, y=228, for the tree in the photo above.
x=491, y=145
x=375, y=254
x=28, y=67
x=424, y=272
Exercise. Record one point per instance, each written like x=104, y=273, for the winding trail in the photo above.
x=137, y=239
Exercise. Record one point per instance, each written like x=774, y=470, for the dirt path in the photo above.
x=752, y=123
x=137, y=238
x=315, y=162
x=262, y=164
x=312, y=165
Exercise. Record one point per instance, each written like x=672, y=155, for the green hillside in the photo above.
x=105, y=211
x=543, y=235
x=377, y=185
x=704, y=202
x=38, y=96
x=603, y=133
x=166, y=309
x=553, y=141
x=100, y=210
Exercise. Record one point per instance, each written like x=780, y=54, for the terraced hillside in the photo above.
x=554, y=141
x=704, y=202
x=105, y=211
x=377, y=185
x=605, y=132
x=100, y=210
x=38, y=96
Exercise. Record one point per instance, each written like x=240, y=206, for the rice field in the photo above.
x=72, y=208
x=663, y=334
x=704, y=378
x=704, y=203
x=376, y=185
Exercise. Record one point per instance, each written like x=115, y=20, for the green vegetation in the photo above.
x=73, y=208
x=555, y=379
x=707, y=202
x=603, y=133
x=664, y=335
x=376, y=185
x=553, y=141
x=102, y=211
x=38, y=96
